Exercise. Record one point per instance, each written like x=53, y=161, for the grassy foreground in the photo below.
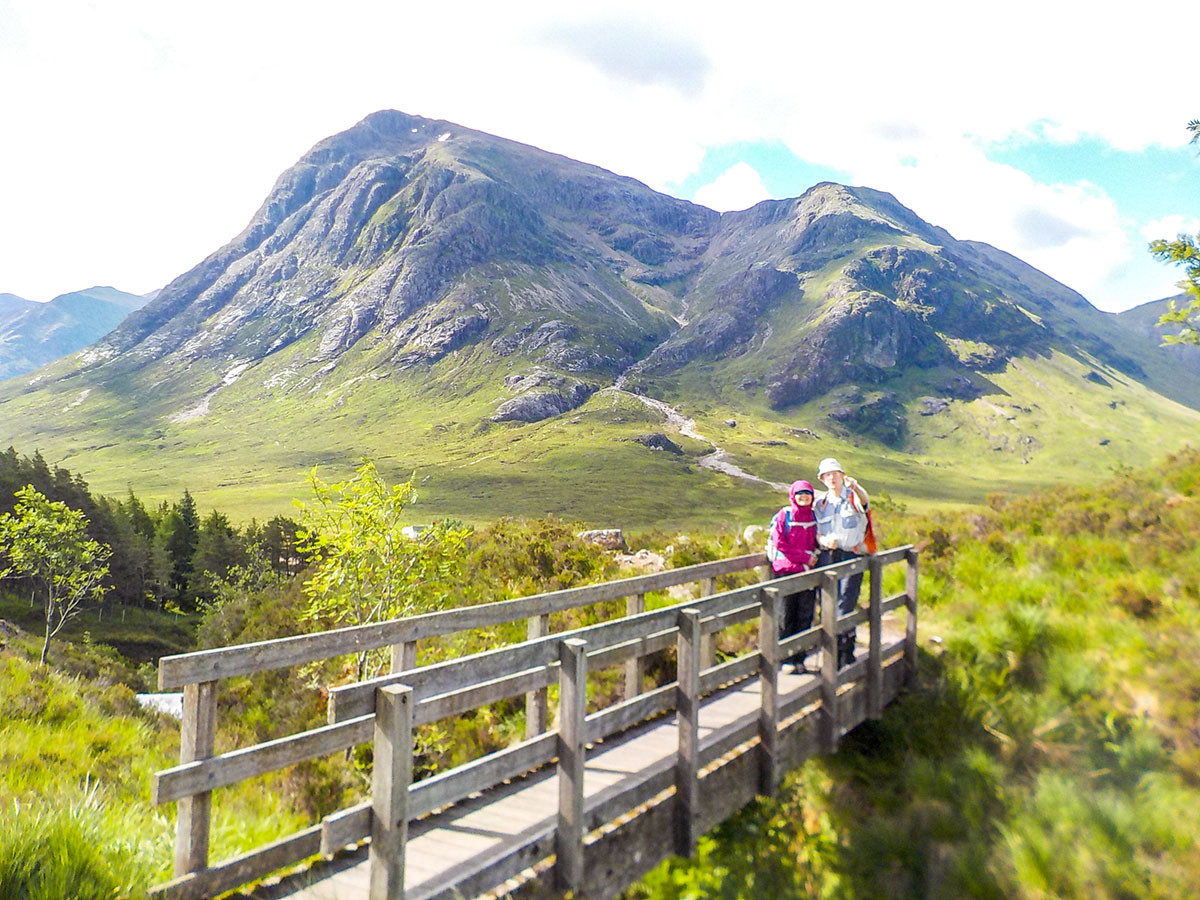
x=1051, y=749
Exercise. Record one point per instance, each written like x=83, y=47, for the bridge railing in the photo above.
x=386, y=709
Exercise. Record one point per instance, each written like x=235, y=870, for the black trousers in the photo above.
x=848, y=591
x=798, y=611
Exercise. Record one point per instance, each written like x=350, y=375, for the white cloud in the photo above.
x=1170, y=227
x=144, y=134
x=738, y=187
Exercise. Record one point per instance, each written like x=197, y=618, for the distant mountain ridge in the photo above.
x=33, y=334
x=1143, y=319
x=420, y=282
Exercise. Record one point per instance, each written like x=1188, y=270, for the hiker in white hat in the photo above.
x=841, y=513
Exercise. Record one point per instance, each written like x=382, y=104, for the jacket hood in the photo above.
x=804, y=512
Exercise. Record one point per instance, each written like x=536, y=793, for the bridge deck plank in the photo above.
x=460, y=844
x=452, y=844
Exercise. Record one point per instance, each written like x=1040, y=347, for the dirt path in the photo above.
x=719, y=460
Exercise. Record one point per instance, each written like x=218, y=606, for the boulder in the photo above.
x=752, y=533
x=543, y=394
x=608, y=538
x=658, y=441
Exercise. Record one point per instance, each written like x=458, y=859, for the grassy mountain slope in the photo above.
x=455, y=304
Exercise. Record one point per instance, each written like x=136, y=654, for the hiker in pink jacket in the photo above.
x=791, y=548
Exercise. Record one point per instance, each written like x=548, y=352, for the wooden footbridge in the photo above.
x=588, y=807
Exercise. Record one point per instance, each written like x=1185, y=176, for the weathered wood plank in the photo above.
x=635, y=668
x=345, y=827
x=893, y=555
x=894, y=602
x=804, y=640
x=852, y=620
x=404, y=656
x=853, y=672
x=353, y=700
x=736, y=616
x=481, y=774
x=794, y=701
x=729, y=672
x=245, y=659
x=535, y=700
x=910, y=633
x=487, y=872
x=232, y=872
x=620, y=716
x=391, y=775
x=205, y=775
x=431, y=709
x=687, y=722
x=572, y=739
x=829, y=678
x=768, y=679
x=197, y=737
x=875, y=642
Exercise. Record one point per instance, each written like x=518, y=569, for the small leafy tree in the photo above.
x=1185, y=252
x=365, y=568
x=46, y=541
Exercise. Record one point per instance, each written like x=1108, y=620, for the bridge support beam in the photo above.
x=687, y=704
x=198, y=733
x=829, y=725
x=910, y=632
x=708, y=642
x=390, y=780
x=635, y=669
x=404, y=656
x=572, y=741
x=875, y=650
x=535, y=701
x=768, y=678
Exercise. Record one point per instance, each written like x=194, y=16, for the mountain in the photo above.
x=508, y=322
x=33, y=334
x=1143, y=320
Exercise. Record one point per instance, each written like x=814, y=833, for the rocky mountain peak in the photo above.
x=404, y=242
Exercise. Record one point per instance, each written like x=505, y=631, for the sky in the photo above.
x=138, y=136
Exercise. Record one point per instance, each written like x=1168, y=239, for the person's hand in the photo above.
x=851, y=483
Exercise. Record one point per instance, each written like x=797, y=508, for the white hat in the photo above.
x=828, y=464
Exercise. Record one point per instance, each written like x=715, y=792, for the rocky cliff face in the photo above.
x=404, y=240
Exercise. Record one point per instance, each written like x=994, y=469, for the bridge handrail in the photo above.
x=454, y=686
x=202, y=666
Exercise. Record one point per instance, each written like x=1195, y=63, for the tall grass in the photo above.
x=75, y=846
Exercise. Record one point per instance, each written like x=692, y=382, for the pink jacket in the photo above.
x=792, y=544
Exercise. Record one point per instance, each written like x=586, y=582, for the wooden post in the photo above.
x=829, y=670
x=768, y=677
x=635, y=669
x=708, y=642
x=404, y=656
x=535, y=701
x=910, y=631
x=197, y=734
x=572, y=731
x=390, y=779
x=875, y=652
x=687, y=705
x=763, y=572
